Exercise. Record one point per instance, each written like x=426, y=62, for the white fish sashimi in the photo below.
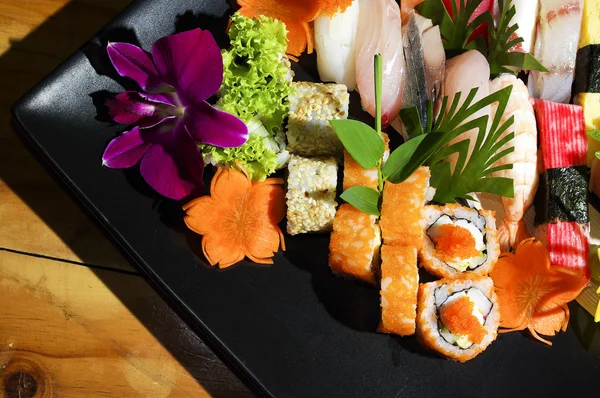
x=526, y=12
x=335, y=42
x=523, y=158
x=556, y=42
x=380, y=32
x=463, y=73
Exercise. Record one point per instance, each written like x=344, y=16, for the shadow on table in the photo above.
x=15, y=162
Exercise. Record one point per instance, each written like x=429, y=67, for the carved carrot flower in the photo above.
x=532, y=293
x=172, y=115
x=239, y=219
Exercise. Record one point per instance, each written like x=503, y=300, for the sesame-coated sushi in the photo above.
x=402, y=210
x=354, y=244
x=399, y=286
x=458, y=318
x=310, y=196
x=312, y=106
x=459, y=239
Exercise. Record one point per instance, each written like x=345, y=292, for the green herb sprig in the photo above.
x=431, y=147
x=456, y=33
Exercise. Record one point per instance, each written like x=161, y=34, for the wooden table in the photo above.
x=76, y=320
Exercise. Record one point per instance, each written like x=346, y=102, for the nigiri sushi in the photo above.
x=526, y=12
x=415, y=90
x=463, y=73
x=435, y=64
x=524, y=160
x=335, y=42
x=380, y=32
x=556, y=43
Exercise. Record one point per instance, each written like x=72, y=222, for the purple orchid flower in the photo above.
x=172, y=115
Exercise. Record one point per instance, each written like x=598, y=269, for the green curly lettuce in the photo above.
x=261, y=155
x=256, y=76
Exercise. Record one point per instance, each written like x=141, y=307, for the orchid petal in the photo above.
x=209, y=125
x=125, y=150
x=173, y=166
x=191, y=62
x=133, y=62
x=130, y=108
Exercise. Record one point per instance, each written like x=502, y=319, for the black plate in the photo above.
x=292, y=328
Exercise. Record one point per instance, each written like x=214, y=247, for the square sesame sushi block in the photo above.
x=399, y=287
x=459, y=239
x=311, y=194
x=458, y=318
x=402, y=210
x=354, y=244
x=312, y=106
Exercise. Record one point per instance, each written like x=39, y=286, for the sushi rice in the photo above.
x=435, y=299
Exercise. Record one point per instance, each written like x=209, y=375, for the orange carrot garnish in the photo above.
x=239, y=219
x=296, y=14
x=532, y=293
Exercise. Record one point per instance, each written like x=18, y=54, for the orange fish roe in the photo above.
x=331, y=7
x=454, y=242
x=459, y=319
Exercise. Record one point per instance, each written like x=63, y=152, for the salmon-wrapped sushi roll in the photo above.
x=399, y=286
x=458, y=318
x=459, y=239
x=354, y=244
x=402, y=210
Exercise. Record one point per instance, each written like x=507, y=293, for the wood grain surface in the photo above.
x=76, y=320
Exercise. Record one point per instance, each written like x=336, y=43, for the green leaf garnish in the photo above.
x=455, y=31
x=595, y=134
x=364, y=199
x=472, y=173
x=456, y=34
x=361, y=141
x=502, y=39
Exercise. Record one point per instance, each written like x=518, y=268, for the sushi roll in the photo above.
x=356, y=176
x=354, y=244
x=312, y=106
x=399, y=286
x=402, y=210
x=459, y=239
x=311, y=193
x=458, y=318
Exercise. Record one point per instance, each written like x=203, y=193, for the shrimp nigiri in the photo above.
x=463, y=73
x=380, y=32
x=524, y=160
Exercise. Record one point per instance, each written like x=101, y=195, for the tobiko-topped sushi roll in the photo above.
x=458, y=318
x=459, y=239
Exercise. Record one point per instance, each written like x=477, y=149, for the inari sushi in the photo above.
x=399, y=286
x=402, y=210
x=354, y=244
x=459, y=239
x=458, y=318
